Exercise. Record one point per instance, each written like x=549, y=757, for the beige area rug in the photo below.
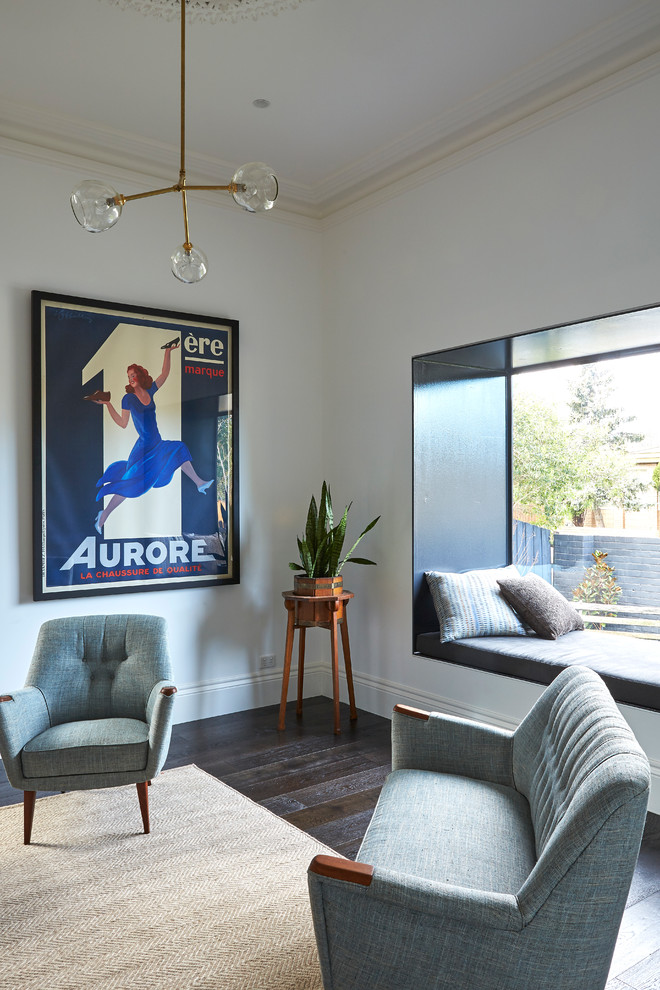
x=215, y=897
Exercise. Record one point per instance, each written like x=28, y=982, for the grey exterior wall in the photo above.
x=636, y=562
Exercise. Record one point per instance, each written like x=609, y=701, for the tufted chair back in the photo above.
x=587, y=782
x=494, y=859
x=571, y=741
x=99, y=666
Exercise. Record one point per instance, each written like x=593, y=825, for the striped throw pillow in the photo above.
x=471, y=604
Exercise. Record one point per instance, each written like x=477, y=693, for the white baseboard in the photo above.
x=377, y=695
x=246, y=691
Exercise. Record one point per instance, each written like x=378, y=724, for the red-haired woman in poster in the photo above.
x=152, y=461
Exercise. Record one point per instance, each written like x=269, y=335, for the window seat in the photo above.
x=630, y=667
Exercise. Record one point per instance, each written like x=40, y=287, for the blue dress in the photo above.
x=152, y=461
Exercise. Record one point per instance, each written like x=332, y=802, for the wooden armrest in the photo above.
x=6, y=697
x=412, y=712
x=169, y=691
x=342, y=869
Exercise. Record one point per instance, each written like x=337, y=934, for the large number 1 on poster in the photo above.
x=158, y=511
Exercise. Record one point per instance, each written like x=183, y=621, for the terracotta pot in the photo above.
x=317, y=587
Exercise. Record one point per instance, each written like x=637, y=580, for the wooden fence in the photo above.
x=623, y=619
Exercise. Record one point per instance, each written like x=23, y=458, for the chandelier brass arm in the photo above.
x=120, y=199
x=97, y=206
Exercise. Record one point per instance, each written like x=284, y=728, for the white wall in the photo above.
x=265, y=274
x=543, y=225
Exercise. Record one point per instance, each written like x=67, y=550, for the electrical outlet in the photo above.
x=267, y=661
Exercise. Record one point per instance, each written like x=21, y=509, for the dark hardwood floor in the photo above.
x=324, y=784
x=328, y=785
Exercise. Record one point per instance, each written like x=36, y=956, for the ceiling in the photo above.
x=361, y=92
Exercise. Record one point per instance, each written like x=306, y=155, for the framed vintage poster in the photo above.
x=134, y=450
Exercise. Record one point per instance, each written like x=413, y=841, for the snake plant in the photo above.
x=322, y=544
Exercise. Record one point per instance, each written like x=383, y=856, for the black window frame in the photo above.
x=462, y=438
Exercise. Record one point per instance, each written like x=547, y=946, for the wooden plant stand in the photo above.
x=326, y=612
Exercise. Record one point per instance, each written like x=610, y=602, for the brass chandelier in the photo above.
x=97, y=206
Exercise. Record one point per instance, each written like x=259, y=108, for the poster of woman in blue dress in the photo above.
x=152, y=461
x=134, y=460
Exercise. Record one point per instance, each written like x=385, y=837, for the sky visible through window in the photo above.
x=636, y=382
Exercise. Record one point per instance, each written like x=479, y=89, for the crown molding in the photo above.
x=139, y=174
x=465, y=148
x=599, y=58
x=621, y=51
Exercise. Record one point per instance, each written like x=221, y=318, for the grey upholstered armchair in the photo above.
x=95, y=711
x=494, y=860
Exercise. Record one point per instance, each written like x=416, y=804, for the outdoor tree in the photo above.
x=547, y=476
x=563, y=466
x=590, y=405
x=655, y=483
x=603, y=441
x=655, y=480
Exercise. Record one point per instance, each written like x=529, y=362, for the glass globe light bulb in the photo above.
x=189, y=264
x=95, y=205
x=256, y=187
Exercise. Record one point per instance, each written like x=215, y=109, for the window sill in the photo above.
x=630, y=667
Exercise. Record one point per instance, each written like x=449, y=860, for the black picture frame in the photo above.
x=168, y=465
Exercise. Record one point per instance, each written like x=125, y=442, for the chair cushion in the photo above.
x=106, y=745
x=425, y=825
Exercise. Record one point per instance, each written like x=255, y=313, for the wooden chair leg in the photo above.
x=143, y=797
x=29, y=798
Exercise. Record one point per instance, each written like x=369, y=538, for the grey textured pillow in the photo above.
x=541, y=606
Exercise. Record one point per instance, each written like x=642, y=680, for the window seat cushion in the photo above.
x=630, y=667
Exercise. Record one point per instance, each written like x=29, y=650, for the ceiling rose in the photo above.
x=209, y=10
